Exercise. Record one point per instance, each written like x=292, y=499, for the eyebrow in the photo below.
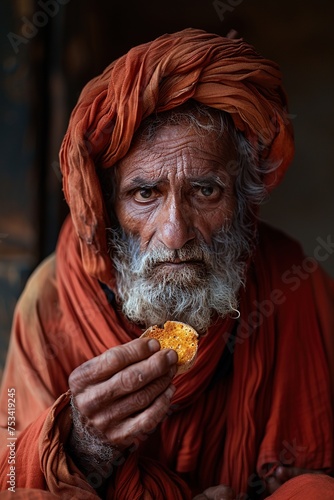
x=141, y=181
x=196, y=180
x=207, y=179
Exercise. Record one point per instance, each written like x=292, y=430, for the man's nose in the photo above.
x=175, y=225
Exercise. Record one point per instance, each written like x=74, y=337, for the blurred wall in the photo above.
x=51, y=48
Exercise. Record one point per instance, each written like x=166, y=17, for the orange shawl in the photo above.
x=275, y=408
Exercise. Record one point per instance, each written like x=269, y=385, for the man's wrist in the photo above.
x=89, y=453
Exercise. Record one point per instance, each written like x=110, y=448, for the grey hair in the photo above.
x=247, y=169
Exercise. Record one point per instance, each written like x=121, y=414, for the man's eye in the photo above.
x=210, y=193
x=144, y=194
x=206, y=190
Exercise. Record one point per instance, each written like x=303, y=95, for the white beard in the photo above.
x=151, y=292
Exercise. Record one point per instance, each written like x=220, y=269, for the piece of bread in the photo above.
x=180, y=337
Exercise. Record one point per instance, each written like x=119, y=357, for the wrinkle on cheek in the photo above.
x=127, y=215
x=130, y=215
x=138, y=221
x=214, y=218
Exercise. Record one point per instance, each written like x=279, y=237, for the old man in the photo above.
x=167, y=157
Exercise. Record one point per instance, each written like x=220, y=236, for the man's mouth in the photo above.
x=178, y=263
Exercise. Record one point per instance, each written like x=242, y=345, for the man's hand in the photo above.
x=220, y=492
x=283, y=473
x=126, y=391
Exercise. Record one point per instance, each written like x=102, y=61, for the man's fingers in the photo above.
x=130, y=404
x=112, y=361
x=284, y=473
x=272, y=484
x=123, y=434
x=138, y=375
x=128, y=381
x=220, y=492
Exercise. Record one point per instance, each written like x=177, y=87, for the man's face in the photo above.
x=178, y=252
x=175, y=189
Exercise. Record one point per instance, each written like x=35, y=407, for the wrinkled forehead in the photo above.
x=192, y=116
x=179, y=145
x=200, y=132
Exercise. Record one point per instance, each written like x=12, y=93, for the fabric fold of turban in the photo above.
x=223, y=73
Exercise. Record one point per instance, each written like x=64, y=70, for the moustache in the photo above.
x=191, y=253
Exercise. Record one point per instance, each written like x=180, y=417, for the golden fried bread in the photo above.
x=178, y=336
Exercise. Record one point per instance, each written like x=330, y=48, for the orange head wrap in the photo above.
x=157, y=76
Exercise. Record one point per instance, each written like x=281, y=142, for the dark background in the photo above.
x=51, y=48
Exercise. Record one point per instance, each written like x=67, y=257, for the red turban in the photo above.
x=157, y=76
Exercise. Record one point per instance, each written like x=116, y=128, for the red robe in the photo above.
x=276, y=404
x=273, y=407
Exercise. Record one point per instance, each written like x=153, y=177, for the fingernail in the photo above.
x=153, y=345
x=172, y=357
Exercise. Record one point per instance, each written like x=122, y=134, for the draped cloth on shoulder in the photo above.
x=220, y=428
x=157, y=76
